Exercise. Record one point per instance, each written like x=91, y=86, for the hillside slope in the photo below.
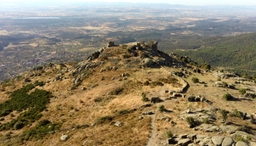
x=130, y=94
x=236, y=52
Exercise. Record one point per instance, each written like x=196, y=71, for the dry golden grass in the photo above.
x=108, y=92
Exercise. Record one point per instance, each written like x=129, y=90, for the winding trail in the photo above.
x=153, y=140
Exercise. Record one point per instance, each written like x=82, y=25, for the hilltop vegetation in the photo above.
x=238, y=53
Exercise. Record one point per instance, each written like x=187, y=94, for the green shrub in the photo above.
x=34, y=103
x=206, y=121
x=43, y=122
x=207, y=66
x=227, y=97
x=242, y=91
x=162, y=108
x=123, y=112
x=237, y=113
x=224, y=115
x=192, y=98
x=192, y=123
x=144, y=97
x=248, y=137
x=180, y=74
x=5, y=112
x=105, y=119
x=224, y=84
x=238, y=138
x=241, y=138
x=18, y=125
x=37, y=83
x=169, y=134
x=195, y=80
x=40, y=130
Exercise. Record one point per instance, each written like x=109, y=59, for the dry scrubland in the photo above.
x=103, y=100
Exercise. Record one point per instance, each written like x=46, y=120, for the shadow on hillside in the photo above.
x=185, y=89
x=244, y=128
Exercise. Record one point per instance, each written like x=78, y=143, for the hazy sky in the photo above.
x=183, y=2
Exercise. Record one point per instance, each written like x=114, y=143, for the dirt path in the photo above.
x=153, y=138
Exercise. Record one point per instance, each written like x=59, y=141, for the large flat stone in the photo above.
x=228, y=128
x=217, y=140
x=199, y=136
x=228, y=141
x=241, y=143
x=252, y=143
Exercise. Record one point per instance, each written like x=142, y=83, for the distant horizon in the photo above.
x=171, y=2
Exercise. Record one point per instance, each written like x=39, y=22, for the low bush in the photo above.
x=105, y=119
x=43, y=122
x=206, y=121
x=242, y=91
x=237, y=113
x=169, y=134
x=192, y=123
x=40, y=130
x=144, y=97
x=224, y=115
x=195, y=80
x=239, y=138
x=18, y=125
x=192, y=98
x=37, y=83
x=34, y=103
x=227, y=97
x=224, y=84
x=123, y=112
x=180, y=74
x=162, y=108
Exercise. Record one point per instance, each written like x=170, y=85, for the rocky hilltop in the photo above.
x=129, y=94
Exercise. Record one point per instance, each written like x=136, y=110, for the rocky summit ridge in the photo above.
x=128, y=94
